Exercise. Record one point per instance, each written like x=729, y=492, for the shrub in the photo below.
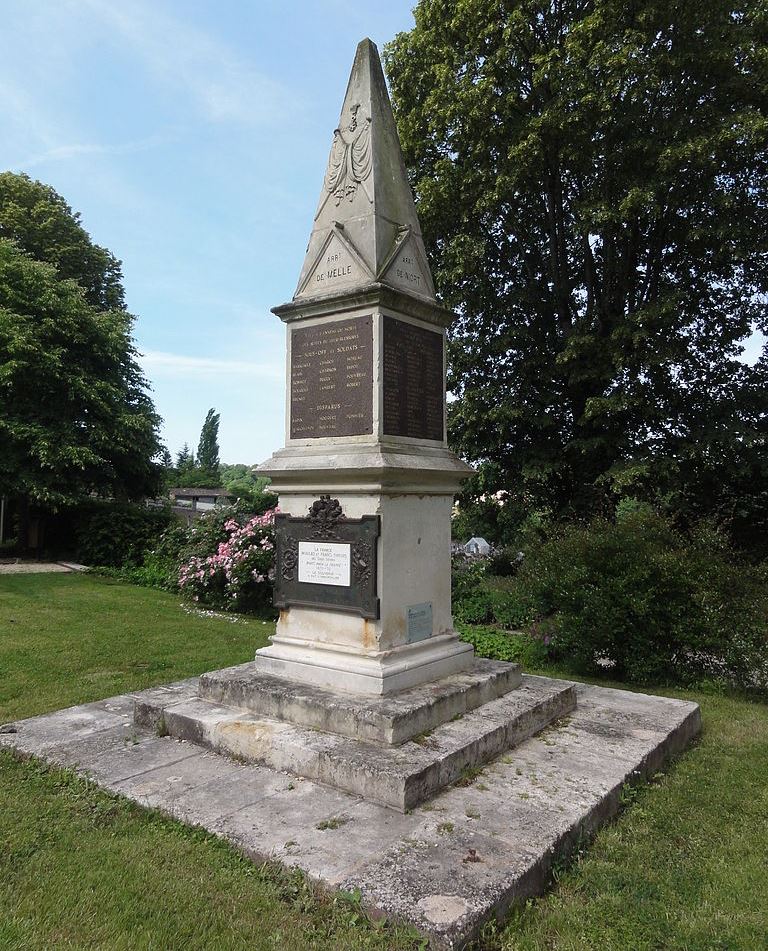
x=116, y=534
x=471, y=601
x=229, y=561
x=504, y=562
x=526, y=649
x=654, y=605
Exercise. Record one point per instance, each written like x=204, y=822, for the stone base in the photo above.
x=447, y=867
x=387, y=719
x=396, y=776
x=375, y=674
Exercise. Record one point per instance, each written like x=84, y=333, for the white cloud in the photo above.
x=78, y=149
x=223, y=85
x=181, y=365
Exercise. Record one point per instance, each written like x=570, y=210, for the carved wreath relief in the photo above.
x=324, y=515
x=351, y=158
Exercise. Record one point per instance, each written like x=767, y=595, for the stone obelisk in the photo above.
x=366, y=480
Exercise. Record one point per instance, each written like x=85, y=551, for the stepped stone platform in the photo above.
x=391, y=719
x=459, y=732
x=448, y=865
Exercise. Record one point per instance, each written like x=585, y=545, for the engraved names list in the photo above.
x=332, y=379
x=413, y=381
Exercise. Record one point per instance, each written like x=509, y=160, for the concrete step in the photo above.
x=399, y=777
x=391, y=720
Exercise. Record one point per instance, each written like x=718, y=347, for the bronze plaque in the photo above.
x=332, y=379
x=413, y=381
x=327, y=560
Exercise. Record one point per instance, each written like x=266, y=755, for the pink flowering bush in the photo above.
x=238, y=574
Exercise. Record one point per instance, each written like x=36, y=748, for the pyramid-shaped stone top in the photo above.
x=365, y=228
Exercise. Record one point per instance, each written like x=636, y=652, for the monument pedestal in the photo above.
x=408, y=637
x=374, y=673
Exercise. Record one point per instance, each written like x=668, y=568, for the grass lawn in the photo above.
x=684, y=868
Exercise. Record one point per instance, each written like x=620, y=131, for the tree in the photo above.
x=208, y=447
x=592, y=185
x=76, y=415
x=202, y=470
x=40, y=221
x=241, y=481
x=185, y=459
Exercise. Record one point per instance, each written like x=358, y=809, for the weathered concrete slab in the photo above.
x=446, y=866
x=396, y=776
x=389, y=719
x=38, y=734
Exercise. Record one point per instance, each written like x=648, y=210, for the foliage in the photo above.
x=194, y=477
x=39, y=221
x=253, y=490
x=472, y=602
x=154, y=571
x=229, y=562
x=208, y=447
x=505, y=562
x=202, y=470
x=76, y=414
x=592, y=190
x=639, y=597
x=185, y=459
x=116, y=534
x=513, y=646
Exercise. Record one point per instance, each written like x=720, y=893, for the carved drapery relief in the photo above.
x=351, y=158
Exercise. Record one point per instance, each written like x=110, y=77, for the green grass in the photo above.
x=80, y=868
x=68, y=639
x=684, y=867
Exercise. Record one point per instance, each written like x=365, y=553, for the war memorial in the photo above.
x=367, y=745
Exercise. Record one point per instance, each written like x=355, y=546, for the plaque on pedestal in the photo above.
x=327, y=560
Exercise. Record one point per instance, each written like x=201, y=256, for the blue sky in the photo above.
x=192, y=137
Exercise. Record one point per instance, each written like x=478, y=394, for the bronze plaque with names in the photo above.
x=332, y=379
x=413, y=381
x=326, y=560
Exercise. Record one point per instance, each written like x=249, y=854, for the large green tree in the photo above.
x=592, y=184
x=76, y=416
x=40, y=221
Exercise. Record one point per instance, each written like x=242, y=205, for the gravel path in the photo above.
x=32, y=567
